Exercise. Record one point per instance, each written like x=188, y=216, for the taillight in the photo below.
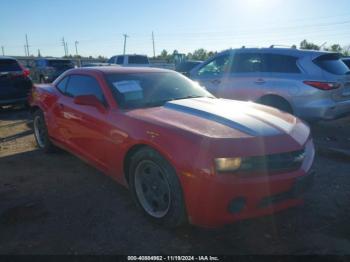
x=26, y=72
x=323, y=85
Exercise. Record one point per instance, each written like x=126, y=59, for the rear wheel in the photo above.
x=40, y=132
x=156, y=188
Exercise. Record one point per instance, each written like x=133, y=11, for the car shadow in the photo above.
x=14, y=113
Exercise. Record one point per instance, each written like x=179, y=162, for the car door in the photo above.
x=246, y=80
x=87, y=128
x=282, y=75
x=213, y=73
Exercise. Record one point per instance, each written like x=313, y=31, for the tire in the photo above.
x=41, y=134
x=156, y=188
x=278, y=103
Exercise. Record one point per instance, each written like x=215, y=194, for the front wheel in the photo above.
x=40, y=132
x=156, y=188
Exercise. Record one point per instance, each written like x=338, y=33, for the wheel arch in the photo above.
x=265, y=99
x=127, y=158
x=134, y=149
x=34, y=108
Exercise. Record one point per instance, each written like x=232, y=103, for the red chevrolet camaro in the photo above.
x=185, y=155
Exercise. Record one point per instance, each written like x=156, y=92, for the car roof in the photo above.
x=7, y=58
x=285, y=51
x=130, y=55
x=53, y=58
x=121, y=70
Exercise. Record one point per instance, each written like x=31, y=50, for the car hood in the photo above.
x=222, y=118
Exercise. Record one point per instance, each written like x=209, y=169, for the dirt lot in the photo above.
x=56, y=204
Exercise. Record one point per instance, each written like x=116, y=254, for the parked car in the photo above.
x=14, y=82
x=313, y=85
x=346, y=61
x=95, y=64
x=185, y=155
x=130, y=60
x=46, y=70
x=186, y=66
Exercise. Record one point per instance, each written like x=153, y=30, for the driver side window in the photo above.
x=216, y=67
x=84, y=85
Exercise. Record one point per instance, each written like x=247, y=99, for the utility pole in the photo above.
x=27, y=45
x=25, y=50
x=39, y=54
x=64, y=46
x=67, y=48
x=3, y=50
x=154, y=48
x=125, y=36
x=76, y=47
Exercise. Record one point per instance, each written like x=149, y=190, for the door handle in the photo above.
x=61, y=106
x=260, y=81
x=215, y=81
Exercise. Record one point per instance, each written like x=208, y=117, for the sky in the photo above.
x=184, y=25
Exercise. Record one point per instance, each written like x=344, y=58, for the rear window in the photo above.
x=61, y=63
x=347, y=62
x=8, y=65
x=120, y=60
x=280, y=64
x=332, y=63
x=138, y=59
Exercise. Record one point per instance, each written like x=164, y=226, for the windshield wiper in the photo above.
x=186, y=97
x=162, y=102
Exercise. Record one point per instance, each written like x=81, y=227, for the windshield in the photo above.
x=137, y=90
x=61, y=63
x=7, y=65
x=138, y=59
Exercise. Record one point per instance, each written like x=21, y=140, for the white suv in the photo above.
x=130, y=60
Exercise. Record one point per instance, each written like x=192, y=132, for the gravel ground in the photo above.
x=57, y=204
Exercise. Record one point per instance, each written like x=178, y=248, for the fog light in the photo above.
x=237, y=205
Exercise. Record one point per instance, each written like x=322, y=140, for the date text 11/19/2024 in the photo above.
x=173, y=258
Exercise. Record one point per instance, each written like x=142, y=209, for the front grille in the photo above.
x=277, y=162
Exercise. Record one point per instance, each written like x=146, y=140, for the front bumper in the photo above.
x=14, y=101
x=218, y=202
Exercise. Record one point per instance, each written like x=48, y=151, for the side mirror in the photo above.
x=90, y=100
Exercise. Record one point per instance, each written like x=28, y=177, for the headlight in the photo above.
x=228, y=164
x=266, y=163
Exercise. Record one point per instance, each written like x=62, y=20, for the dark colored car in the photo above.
x=185, y=67
x=15, y=83
x=46, y=70
x=347, y=61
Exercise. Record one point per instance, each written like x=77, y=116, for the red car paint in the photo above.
x=189, y=142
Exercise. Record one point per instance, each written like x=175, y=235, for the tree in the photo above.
x=346, y=50
x=200, y=54
x=308, y=45
x=336, y=48
x=163, y=55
